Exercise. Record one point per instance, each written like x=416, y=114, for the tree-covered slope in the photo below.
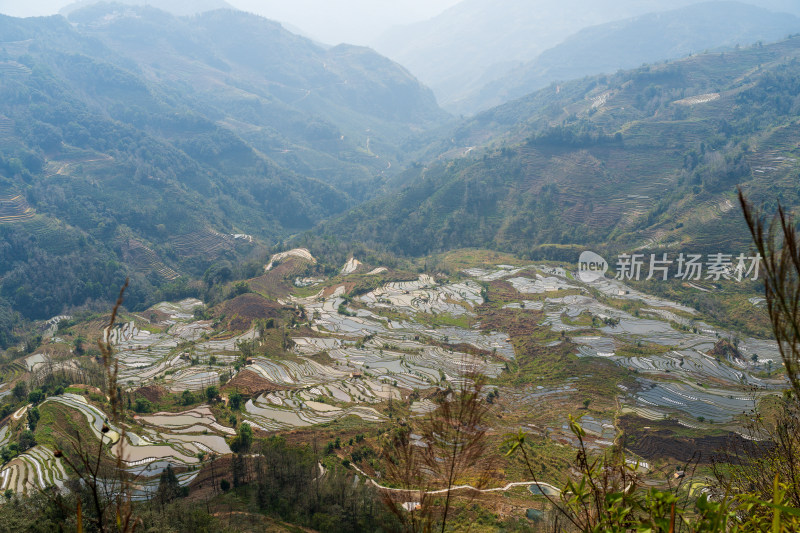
x=644, y=158
x=176, y=7
x=337, y=114
x=112, y=166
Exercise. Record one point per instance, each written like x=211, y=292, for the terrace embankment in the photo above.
x=276, y=282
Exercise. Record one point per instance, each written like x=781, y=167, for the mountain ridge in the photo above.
x=451, y=50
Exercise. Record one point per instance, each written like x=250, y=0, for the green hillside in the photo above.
x=644, y=158
x=199, y=152
x=337, y=114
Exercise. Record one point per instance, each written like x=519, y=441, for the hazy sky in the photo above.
x=330, y=21
x=19, y=8
x=353, y=21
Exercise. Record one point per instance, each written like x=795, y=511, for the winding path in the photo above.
x=547, y=486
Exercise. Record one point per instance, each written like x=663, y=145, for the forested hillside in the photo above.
x=135, y=143
x=643, y=158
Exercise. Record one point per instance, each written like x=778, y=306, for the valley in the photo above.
x=252, y=281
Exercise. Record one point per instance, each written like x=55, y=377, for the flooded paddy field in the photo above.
x=276, y=411
x=345, y=355
x=688, y=370
x=148, y=446
x=664, y=342
x=426, y=296
x=36, y=468
x=715, y=405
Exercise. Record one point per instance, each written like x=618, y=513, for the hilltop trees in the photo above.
x=244, y=438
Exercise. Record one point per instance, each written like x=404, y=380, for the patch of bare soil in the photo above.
x=348, y=286
x=245, y=308
x=278, y=281
x=662, y=441
x=153, y=393
x=250, y=383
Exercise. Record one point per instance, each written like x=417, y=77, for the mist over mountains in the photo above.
x=475, y=54
x=629, y=43
x=641, y=158
x=174, y=7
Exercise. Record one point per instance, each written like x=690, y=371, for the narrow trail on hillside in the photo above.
x=509, y=486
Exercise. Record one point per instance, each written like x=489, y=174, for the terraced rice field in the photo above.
x=408, y=298
x=146, y=259
x=681, y=380
x=16, y=48
x=197, y=420
x=145, y=356
x=350, y=266
x=716, y=406
x=14, y=208
x=277, y=411
x=49, y=233
x=11, y=68
x=6, y=128
x=202, y=243
x=314, y=345
x=617, y=289
x=156, y=440
x=35, y=469
x=292, y=373
x=698, y=99
x=370, y=358
x=94, y=416
x=425, y=296
x=64, y=167
x=483, y=274
x=692, y=365
x=222, y=346
x=179, y=310
x=300, y=253
x=540, y=285
x=395, y=354
x=145, y=453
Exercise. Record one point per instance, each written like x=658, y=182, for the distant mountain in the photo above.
x=779, y=6
x=477, y=41
x=136, y=143
x=632, y=42
x=176, y=7
x=648, y=158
